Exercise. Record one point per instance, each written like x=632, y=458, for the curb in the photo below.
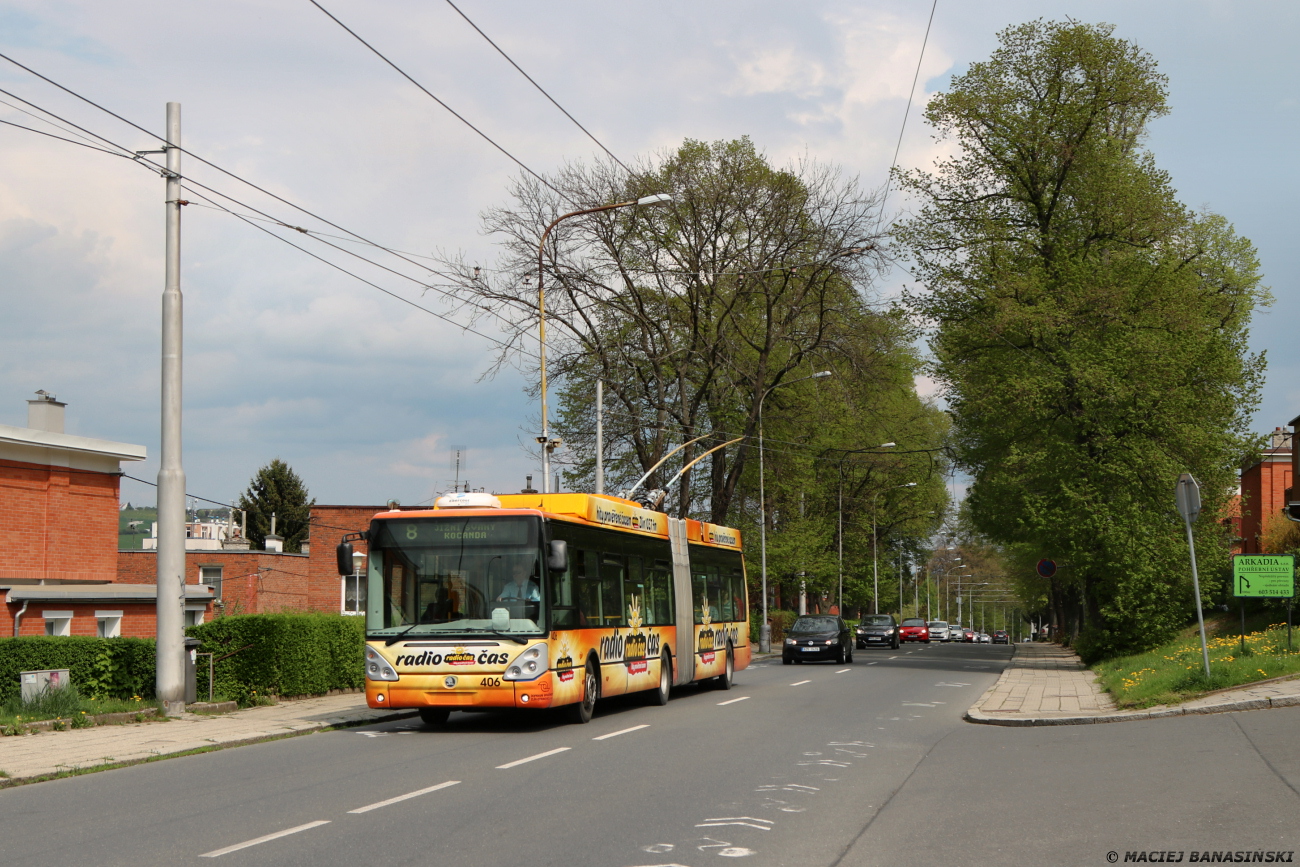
x=975, y=715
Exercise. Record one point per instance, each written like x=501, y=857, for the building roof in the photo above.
x=98, y=592
x=35, y=446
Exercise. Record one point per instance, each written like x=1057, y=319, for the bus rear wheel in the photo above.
x=582, y=711
x=434, y=716
x=728, y=676
x=663, y=691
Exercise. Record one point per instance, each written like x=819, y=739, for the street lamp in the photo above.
x=875, y=559
x=841, y=514
x=765, y=629
x=548, y=444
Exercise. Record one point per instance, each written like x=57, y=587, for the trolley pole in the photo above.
x=170, y=678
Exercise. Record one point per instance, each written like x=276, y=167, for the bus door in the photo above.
x=600, y=610
x=685, y=605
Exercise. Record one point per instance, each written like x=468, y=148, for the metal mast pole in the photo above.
x=600, y=436
x=170, y=675
x=764, y=628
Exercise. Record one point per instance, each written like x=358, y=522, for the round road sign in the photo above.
x=1047, y=568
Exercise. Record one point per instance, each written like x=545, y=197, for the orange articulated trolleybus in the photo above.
x=546, y=600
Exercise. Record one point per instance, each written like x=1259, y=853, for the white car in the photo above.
x=939, y=631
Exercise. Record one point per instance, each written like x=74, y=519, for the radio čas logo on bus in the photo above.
x=564, y=665
x=706, y=640
x=634, y=648
x=460, y=657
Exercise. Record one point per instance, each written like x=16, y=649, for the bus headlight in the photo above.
x=377, y=668
x=529, y=665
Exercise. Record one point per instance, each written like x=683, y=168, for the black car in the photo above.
x=817, y=636
x=879, y=630
x=1001, y=637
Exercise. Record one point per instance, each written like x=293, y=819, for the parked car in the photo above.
x=877, y=630
x=939, y=630
x=818, y=636
x=1001, y=637
x=968, y=635
x=914, y=629
x=983, y=638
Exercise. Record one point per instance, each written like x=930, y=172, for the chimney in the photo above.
x=274, y=542
x=528, y=486
x=45, y=413
x=1281, y=438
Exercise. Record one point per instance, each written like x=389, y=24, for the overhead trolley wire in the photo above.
x=430, y=94
x=541, y=89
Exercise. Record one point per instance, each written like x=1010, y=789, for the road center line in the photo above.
x=518, y=762
x=893, y=657
x=215, y=853
x=369, y=807
x=622, y=732
x=842, y=670
x=801, y=683
x=733, y=700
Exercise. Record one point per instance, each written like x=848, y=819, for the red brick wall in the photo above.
x=138, y=619
x=57, y=523
x=252, y=582
x=1263, y=495
x=328, y=526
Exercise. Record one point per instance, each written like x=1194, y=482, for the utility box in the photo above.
x=191, y=680
x=37, y=683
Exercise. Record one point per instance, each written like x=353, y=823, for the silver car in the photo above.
x=939, y=631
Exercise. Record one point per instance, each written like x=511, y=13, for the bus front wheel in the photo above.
x=434, y=716
x=583, y=710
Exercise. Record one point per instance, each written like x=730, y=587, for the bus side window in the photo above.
x=738, y=592
x=564, y=615
x=612, y=570
x=634, y=587
x=588, y=586
x=659, y=586
x=699, y=589
x=720, y=594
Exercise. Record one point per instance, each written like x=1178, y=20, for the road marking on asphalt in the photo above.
x=518, y=762
x=801, y=683
x=746, y=821
x=622, y=732
x=916, y=704
x=893, y=657
x=945, y=683
x=871, y=663
x=408, y=795
x=733, y=700
x=216, y=853
x=842, y=670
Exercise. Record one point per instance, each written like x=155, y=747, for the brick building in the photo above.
x=1264, y=490
x=58, y=531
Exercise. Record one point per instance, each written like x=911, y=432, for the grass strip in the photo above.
x=1174, y=672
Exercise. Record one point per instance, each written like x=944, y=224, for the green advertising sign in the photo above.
x=1269, y=575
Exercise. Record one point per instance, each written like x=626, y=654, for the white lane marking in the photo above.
x=801, y=683
x=733, y=700
x=871, y=663
x=744, y=821
x=842, y=670
x=376, y=806
x=958, y=683
x=622, y=732
x=216, y=853
x=893, y=657
x=916, y=704
x=518, y=762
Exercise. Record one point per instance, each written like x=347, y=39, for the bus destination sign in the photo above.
x=1271, y=575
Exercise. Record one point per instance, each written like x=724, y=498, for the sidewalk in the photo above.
x=1047, y=685
x=38, y=755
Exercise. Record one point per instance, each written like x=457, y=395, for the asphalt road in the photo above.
x=824, y=764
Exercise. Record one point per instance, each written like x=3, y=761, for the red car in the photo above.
x=914, y=629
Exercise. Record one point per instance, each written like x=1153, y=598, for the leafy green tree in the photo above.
x=277, y=489
x=1090, y=331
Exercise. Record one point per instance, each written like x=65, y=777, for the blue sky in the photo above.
x=365, y=396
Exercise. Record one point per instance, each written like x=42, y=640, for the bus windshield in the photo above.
x=457, y=575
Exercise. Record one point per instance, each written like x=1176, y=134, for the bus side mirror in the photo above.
x=344, y=555
x=557, y=556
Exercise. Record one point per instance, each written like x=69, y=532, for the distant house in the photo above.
x=59, y=497
x=1264, y=490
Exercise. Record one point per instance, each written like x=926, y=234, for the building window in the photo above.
x=108, y=624
x=57, y=622
x=211, y=576
x=193, y=616
x=354, y=594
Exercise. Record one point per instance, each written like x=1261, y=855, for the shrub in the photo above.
x=281, y=654
x=98, y=667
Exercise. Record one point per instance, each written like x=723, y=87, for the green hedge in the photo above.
x=99, y=667
x=281, y=654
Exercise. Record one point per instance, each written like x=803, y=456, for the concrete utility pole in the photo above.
x=170, y=677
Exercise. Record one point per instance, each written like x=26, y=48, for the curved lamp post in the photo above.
x=547, y=444
x=765, y=629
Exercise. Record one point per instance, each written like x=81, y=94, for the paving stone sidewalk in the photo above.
x=37, y=755
x=1047, y=684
